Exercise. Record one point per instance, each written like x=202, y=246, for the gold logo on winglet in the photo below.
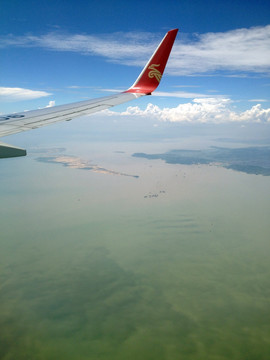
x=154, y=72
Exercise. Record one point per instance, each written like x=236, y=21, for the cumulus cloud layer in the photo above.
x=240, y=50
x=207, y=110
x=17, y=94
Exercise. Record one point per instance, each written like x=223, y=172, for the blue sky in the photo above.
x=55, y=52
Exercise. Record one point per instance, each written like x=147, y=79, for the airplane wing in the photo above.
x=145, y=84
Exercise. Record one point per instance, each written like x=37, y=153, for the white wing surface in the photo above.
x=146, y=83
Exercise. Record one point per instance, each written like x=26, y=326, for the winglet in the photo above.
x=151, y=75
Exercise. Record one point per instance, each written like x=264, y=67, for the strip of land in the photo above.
x=78, y=163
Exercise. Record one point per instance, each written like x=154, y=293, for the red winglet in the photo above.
x=151, y=75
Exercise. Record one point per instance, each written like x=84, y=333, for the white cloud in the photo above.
x=115, y=46
x=241, y=50
x=174, y=94
x=180, y=94
x=51, y=104
x=203, y=110
x=17, y=94
x=237, y=51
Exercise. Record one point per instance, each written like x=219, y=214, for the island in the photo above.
x=250, y=160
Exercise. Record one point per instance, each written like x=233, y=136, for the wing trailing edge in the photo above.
x=145, y=84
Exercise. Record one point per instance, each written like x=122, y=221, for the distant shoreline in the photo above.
x=250, y=160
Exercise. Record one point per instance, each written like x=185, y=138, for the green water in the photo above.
x=93, y=269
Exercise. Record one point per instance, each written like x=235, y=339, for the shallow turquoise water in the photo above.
x=93, y=269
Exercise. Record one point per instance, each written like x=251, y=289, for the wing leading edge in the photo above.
x=146, y=83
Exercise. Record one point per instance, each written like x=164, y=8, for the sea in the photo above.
x=132, y=258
